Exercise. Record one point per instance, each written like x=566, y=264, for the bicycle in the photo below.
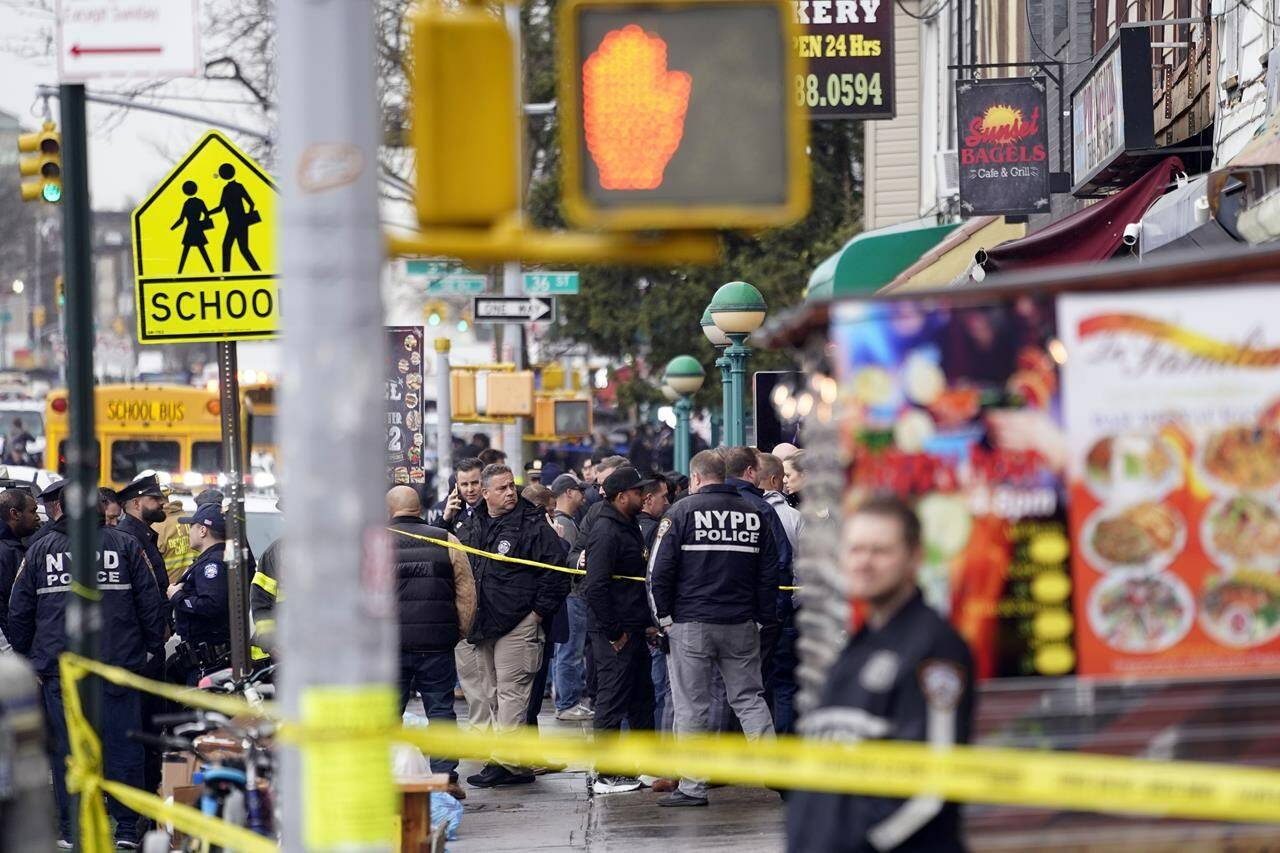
x=235, y=775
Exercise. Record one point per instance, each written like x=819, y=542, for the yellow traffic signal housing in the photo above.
x=462, y=393
x=465, y=126
x=509, y=394
x=60, y=291
x=45, y=163
x=564, y=417
x=681, y=115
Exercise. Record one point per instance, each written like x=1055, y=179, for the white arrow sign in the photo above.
x=140, y=39
x=513, y=309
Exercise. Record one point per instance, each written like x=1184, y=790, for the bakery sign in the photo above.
x=1003, y=149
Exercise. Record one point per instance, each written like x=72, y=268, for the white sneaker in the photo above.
x=615, y=784
x=647, y=781
x=64, y=844
x=577, y=714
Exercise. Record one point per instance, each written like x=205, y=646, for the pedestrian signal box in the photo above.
x=562, y=418
x=679, y=115
x=45, y=164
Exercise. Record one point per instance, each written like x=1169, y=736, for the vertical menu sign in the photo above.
x=848, y=48
x=404, y=378
x=1003, y=147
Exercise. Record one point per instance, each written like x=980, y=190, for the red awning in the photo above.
x=1092, y=234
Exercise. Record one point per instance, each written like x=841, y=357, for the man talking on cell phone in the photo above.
x=463, y=498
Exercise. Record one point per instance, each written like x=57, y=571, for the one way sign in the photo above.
x=513, y=309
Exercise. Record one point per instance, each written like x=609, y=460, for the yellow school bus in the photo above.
x=259, y=404
x=171, y=429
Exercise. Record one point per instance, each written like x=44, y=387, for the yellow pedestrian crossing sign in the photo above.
x=204, y=249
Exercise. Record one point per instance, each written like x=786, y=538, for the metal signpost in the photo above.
x=80, y=497
x=513, y=309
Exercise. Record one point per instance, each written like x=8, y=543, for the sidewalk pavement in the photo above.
x=557, y=813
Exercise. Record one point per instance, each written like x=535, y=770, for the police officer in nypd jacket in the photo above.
x=713, y=586
x=904, y=675
x=200, y=601
x=132, y=628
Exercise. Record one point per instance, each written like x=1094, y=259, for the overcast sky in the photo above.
x=129, y=152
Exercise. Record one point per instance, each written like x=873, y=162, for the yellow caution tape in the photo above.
x=191, y=822
x=1018, y=777
x=503, y=558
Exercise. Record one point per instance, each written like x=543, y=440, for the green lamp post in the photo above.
x=684, y=375
x=719, y=341
x=737, y=309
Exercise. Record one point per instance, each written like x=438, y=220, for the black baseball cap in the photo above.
x=210, y=515
x=564, y=483
x=623, y=479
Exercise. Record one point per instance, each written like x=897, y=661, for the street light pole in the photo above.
x=726, y=398
x=736, y=354
x=683, y=377
x=737, y=310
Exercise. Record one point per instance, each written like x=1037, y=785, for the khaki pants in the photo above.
x=497, y=675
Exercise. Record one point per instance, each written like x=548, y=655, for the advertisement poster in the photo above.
x=1173, y=412
x=958, y=410
x=405, y=374
x=1003, y=149
x=847, y=51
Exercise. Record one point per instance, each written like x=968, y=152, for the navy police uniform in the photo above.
x=201, y=608
x=910, y=680
x=146, y=535
x=132, y=629
x=712, y=584
x=714, y=560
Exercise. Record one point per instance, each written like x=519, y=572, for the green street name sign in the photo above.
x=551, y=283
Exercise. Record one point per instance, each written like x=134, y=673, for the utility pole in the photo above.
x=338, y=617
x=80, y=497
x=513, y=434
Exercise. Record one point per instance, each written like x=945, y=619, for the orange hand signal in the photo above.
x=633, y=109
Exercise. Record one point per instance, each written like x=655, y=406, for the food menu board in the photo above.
x=958, y=410
x=1173, y=417
x=405, y=374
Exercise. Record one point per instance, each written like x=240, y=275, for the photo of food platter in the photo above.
x=1241, y=458
x=1141, y=613
x=1242, y=609
x=1242, y=531
x=1147, y=535
x=1132, y=464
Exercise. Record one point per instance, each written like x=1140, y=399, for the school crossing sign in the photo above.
x=204, y=249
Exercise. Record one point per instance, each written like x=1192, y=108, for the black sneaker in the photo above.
x=519, y=776
x=126, y=843
x=678, y=798
x=488, y=776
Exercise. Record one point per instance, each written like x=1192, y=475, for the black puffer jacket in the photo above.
x=616, y=548
x=507, y=592
x=11, y=552
x=424, y=588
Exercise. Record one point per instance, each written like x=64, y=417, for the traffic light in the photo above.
x=45, y=162
x=464, y=115
x=60, y=291
x=678, y=115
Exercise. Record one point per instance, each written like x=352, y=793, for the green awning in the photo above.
x=874, y=258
